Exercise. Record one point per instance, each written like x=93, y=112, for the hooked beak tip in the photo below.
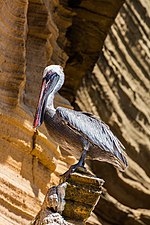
x=36, y=124
x=35, y=129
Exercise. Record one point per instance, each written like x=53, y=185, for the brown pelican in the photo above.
x=75, y=130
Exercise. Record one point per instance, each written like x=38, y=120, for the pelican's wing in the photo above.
x=94, y=130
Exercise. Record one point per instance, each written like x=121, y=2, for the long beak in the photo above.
x=39, y=116
x=48, y=85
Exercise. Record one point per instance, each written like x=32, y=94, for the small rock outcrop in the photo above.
x=74, y=200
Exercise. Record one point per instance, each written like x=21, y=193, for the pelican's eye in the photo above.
x=50, y=76
x=50, y=81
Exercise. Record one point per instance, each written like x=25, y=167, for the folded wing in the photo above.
x=94, y=130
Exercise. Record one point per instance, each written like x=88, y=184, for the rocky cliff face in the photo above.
x=71, y=33
x=118, y=91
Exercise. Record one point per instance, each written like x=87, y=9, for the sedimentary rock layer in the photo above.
x=36, y=33
x=118, y=91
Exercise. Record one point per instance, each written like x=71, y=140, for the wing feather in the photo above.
x=94, y=130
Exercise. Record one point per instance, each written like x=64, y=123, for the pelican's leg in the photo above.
x=80, y=163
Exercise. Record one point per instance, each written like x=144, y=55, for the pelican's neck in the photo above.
x=50, y=101
x=50, y=98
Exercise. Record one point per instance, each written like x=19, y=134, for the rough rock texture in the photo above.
x=39, y=32
x=90, y=25
x=73, y=199
x=119, y=92
x=27, y=42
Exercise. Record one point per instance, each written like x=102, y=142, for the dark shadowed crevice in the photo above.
x=85, y=38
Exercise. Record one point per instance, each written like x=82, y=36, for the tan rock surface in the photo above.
x=73, y=200
x=90, y=25
x=119, y=92
x=35, y=33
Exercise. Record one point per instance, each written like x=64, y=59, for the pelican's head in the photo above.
x=53, y=69
x=53, y=79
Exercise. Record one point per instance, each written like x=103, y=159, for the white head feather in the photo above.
x=54, y=68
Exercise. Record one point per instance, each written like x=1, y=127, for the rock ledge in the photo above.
x=70, y=202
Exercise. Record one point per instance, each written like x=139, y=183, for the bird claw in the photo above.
x=66, y=175
x=71, y=170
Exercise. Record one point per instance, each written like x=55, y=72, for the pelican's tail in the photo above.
x=121, y=161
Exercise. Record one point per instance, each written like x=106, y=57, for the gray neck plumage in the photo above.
x=50, y=101
x=50, y=98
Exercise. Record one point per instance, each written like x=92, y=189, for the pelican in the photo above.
x=76, y=130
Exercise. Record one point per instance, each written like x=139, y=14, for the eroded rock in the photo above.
x=74, y=199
